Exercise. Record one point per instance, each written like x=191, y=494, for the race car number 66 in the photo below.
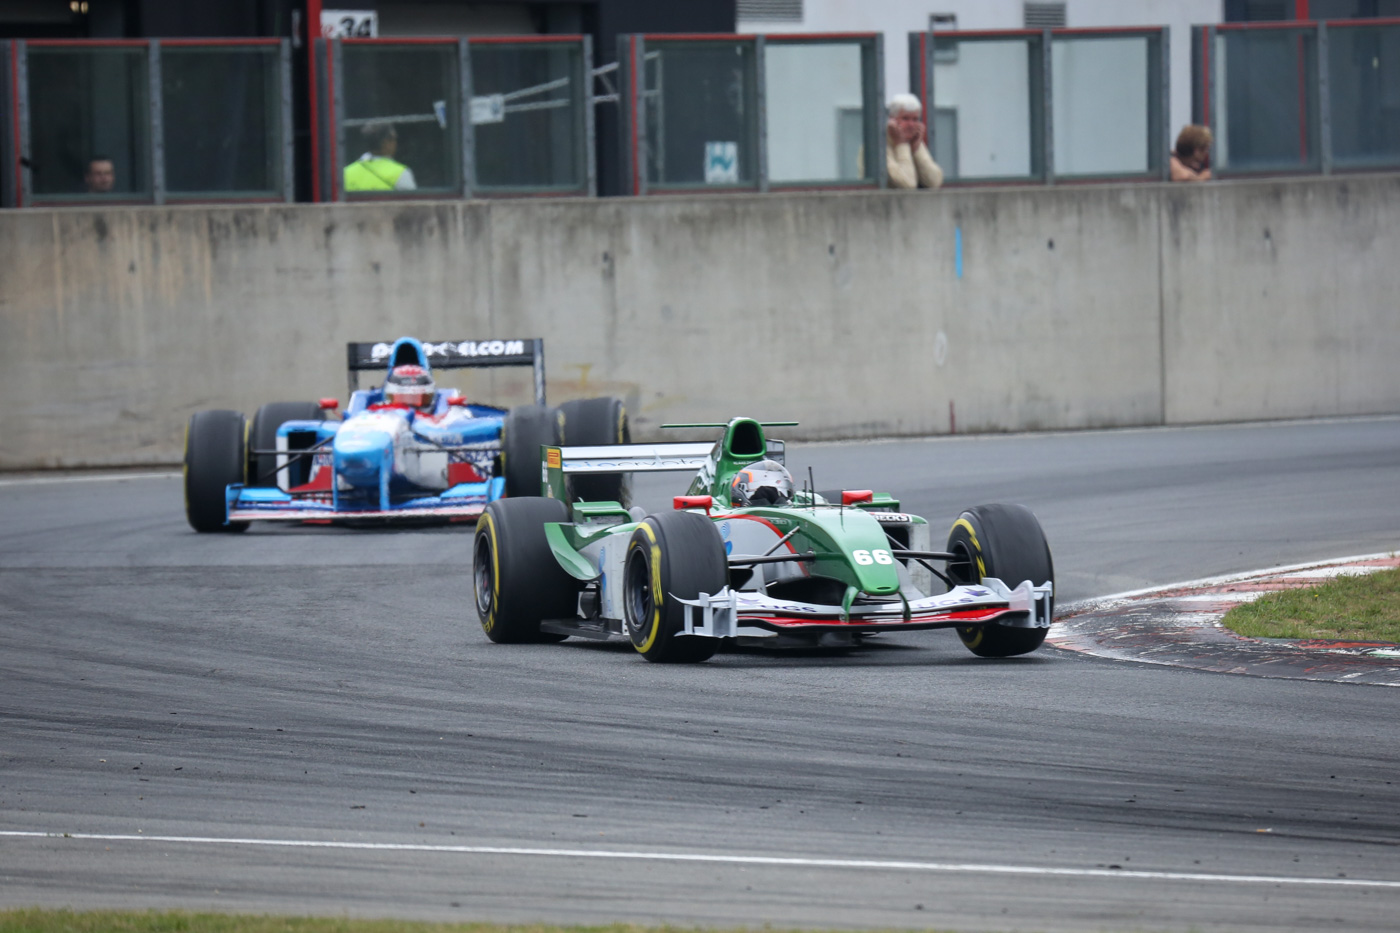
x=877, y=556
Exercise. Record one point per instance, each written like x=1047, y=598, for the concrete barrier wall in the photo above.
x=858, y=314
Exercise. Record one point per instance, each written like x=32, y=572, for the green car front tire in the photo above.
x=1006, y=542
x=671, y=555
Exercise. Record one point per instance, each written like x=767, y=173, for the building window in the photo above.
x=1045, y=15
x=770, y=11
x=938, y=23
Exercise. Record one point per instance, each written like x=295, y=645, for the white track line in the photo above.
x=85, y=478
x=879, y=865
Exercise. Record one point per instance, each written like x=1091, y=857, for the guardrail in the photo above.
x=224, y=104
x=1003, y=111
x=1299, y=97
x=474, y=117
x=751, y=113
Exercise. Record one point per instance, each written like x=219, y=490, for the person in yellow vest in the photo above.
x=377, y=169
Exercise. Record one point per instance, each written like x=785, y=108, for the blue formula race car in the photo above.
x=404, y=450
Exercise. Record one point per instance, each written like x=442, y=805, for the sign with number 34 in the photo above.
x=349, y=24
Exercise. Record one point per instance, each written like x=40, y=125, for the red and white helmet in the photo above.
x=411, y=386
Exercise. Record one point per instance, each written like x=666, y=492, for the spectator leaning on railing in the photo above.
x=377, y=170
x=907, y=159
x=100, y=176
x=1191, y=157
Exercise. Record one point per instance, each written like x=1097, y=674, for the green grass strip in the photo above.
x=36, y=920
x=1359, y=608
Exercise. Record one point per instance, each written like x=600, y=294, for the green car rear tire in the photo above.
x=518, y=582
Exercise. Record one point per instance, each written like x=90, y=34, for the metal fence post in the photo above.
x=1212, y=96
x=337, y=92
x=464, y=108
x=590, y=127
x=25, y=193
x=761, y=104
x=631, y=59
x=284, y=67
x=1164, y=59
x=1324, y=97
x=1047, y=114
x=875, y=134
x=156, y=106
x=921, y=86
x=9, y=142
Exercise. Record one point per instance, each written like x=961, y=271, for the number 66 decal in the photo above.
x=877, y=556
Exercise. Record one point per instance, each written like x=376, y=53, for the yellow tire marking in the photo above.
x=976, y=640
x=655, y=629
x=486, y=526
x=981, y=567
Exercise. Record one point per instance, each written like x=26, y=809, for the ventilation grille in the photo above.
x=771, y=11
x=1045, y=15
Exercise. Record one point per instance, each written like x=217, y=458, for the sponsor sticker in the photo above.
x=463, y=348
x=553, y=458
x=886, y=518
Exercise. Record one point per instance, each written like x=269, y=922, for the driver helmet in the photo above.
x=411, y=386
x=766, y=482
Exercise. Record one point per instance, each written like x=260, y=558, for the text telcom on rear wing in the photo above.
x=452, y=354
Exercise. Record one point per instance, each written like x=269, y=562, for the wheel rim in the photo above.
x=962, y=567
x=484, y=575
x=636, y=592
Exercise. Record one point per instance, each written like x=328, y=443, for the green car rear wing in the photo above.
x=560, y=462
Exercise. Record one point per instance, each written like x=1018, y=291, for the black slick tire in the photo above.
x=518, y=582
x=262, y=435
x=671, y=555
x=215, y=458
x=1006, y=542
x=595, y=422
x=526, y=429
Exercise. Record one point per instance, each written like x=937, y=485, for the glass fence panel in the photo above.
x=528, y=116
x=701, y=110
x=1266, y=100
x=1105, y=104
x=819, y=105
x=1363, y=70
x=222, y=120
x=988, y=108
x=401, y=120
x=89, y=123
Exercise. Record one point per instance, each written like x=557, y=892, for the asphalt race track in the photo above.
x=309, y=720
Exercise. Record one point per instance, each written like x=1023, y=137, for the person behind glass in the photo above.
x=100, y=176
x=377, y=170
x=907, y=159
x=1191, y=157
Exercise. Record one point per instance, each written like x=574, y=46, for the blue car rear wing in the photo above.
x=452, y=354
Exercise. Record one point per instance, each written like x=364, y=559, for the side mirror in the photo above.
x=460, y=401
x=693, y=502
x=853, y=496
x=328, y=404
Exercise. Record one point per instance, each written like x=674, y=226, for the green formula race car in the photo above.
x=745, y=556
